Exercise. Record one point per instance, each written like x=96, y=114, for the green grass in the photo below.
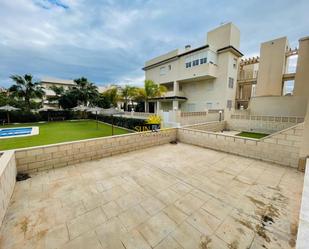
x=252, y=135
x=58, y=132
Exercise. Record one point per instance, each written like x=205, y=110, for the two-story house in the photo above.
x=199, y=79
x=48, y=83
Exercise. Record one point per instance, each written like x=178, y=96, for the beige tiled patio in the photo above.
x=165, y=197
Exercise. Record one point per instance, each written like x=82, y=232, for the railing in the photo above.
x=192, y=114
x=269, y=118
x=172, y=94
x=138, y=114
x=247, y=75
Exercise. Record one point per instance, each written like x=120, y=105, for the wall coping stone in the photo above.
x=4, y=159
x=86, y=140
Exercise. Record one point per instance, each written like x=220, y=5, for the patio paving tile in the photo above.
x=157, y=228
x=198, y=199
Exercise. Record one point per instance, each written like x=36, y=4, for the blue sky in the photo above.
x=109, y=41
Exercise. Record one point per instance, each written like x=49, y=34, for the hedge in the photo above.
x=31, y=117
x=129, y=123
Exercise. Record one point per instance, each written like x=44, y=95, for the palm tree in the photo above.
x=85, y=92
x=25, y=89
x=127, y=93
x=112, y=96
x=151, y=90
x=59, y=93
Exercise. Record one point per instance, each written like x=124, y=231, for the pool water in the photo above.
x=15, y=132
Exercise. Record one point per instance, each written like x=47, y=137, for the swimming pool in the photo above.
x=18, y=132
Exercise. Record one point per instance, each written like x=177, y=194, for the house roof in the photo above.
x=57, y=81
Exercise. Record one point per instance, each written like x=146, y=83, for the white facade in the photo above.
x=199, y=79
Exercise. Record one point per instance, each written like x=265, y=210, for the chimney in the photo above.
x=187, y=47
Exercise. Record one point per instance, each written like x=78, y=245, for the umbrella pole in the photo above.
x=96, y=117
x=8, y=116
x=112, y=125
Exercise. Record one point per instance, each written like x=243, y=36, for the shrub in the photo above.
x=129, y=123
x=31, y=117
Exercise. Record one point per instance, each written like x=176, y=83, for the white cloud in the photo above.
x=108, y=41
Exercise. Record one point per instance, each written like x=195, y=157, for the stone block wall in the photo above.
x=281, y=147
x=60, y=155
x=7, y=180
x=187, y=118
x=215, y=126
x=303, y=227
x=263, y=124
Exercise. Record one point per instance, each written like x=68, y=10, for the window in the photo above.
x=288, y=88
x=209, y=105
x=253, y=90
x=162, y=71
x=231, y=82
x=229, y=104
x=190, y=107
x=235, y=63
x=195, y=62
x=203, y=60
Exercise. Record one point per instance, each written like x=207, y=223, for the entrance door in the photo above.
x=151, y=107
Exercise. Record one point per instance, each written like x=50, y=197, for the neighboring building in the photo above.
x=266, y=85
x=3, y=90
x=198, y=79
x=213, y=77
x=47, y=83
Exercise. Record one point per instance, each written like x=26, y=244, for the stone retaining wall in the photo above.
x=215, y=126
x=303, y=227
x=281, y=147
x=263, y=124
x=59, y=155
x=7, y=180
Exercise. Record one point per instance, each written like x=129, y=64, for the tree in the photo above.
x=111, y=95
x=25, y=89
x=150, y=90
x=127, y=94
x=84, y=91
x=59, y=93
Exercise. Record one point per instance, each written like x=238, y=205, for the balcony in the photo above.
x=200, y=72
x=247, y=75
x=170, y=94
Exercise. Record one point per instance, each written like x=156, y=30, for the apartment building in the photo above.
x=270, y=85
x=48, y=83
x=198, y=79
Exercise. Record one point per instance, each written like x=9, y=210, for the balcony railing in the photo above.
x=247, y=75
x=172, y=94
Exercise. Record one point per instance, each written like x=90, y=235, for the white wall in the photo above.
x=278, y=106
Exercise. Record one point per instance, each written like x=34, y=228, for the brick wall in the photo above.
x=281, y=147
x=263, y=124
x=215, y=126
x=59, y=155
x=187, y=118
x=7, y=180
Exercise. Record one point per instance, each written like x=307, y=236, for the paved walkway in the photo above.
x=165, y=197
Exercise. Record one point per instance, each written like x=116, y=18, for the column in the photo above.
x=304, y=149
x=158, y=107
x=176, y=88
x=175, y=105
x=302, y=69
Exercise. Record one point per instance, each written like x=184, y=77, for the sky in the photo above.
x=109, y=41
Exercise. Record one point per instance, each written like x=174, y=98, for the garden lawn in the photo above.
x=58, y=132
x=252, y=135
